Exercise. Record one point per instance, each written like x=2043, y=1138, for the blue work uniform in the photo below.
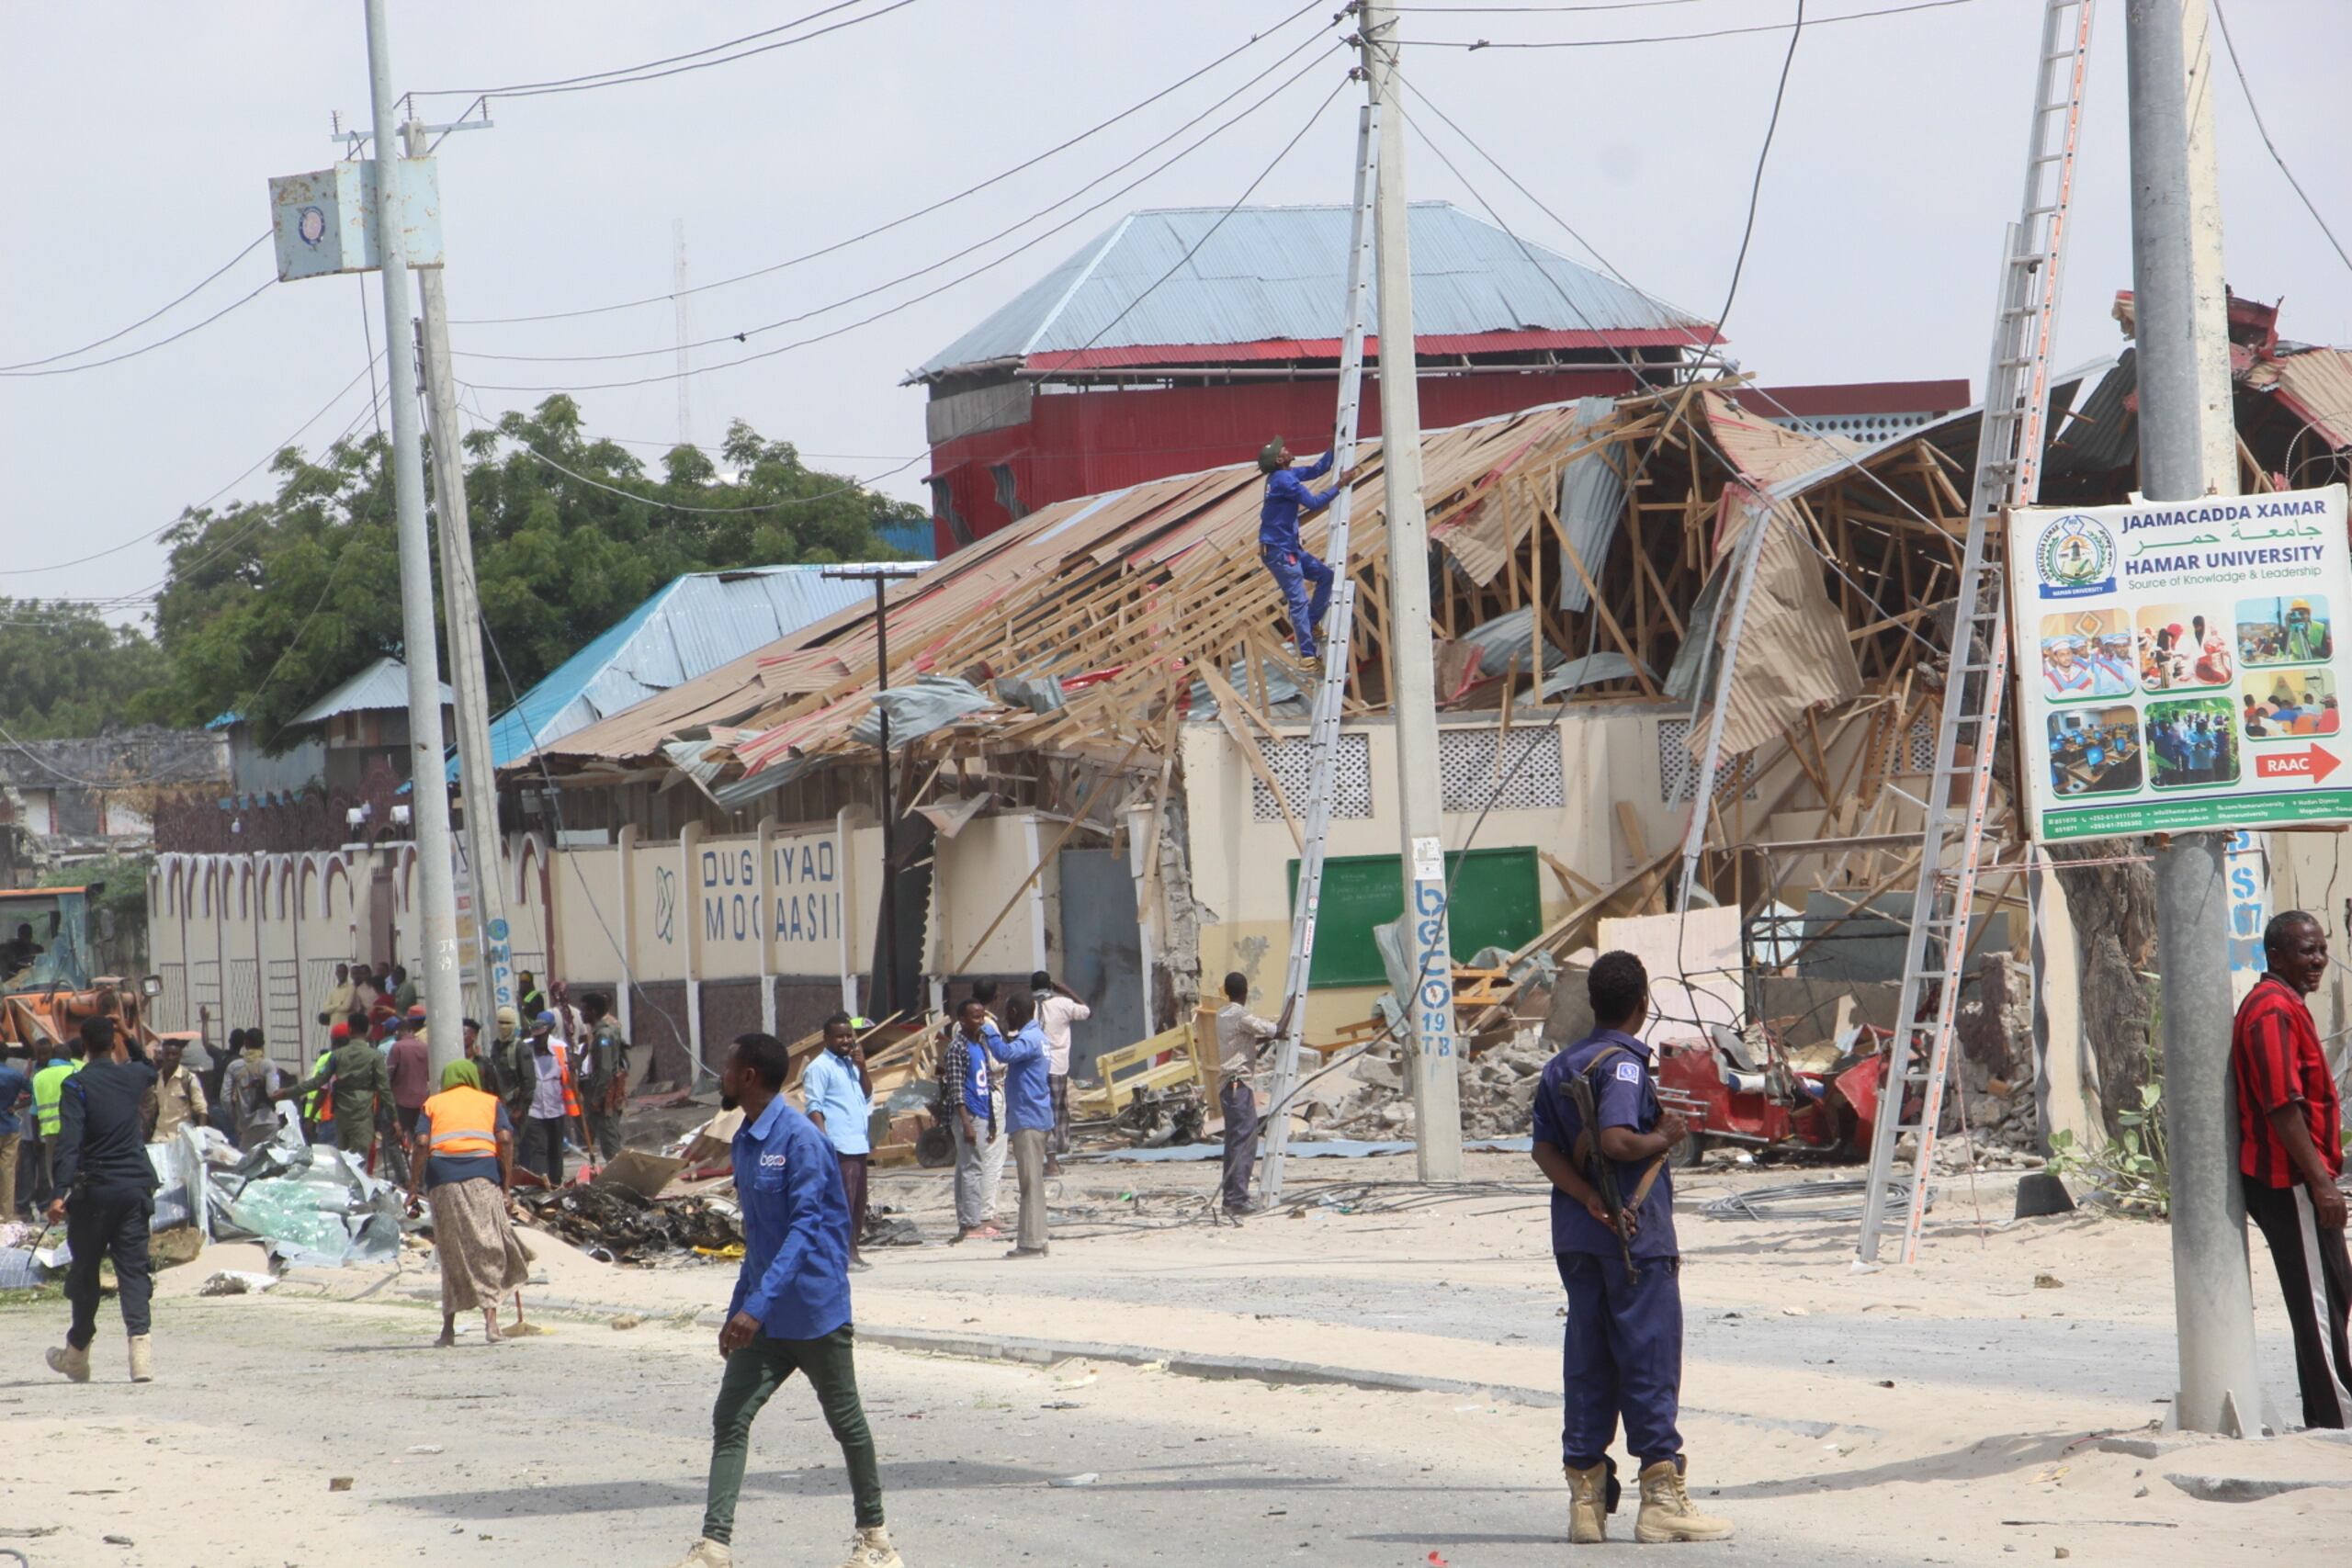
x=1287, y=493
x=1028, y=1096
x=1622, y=1350
x=794, y=1276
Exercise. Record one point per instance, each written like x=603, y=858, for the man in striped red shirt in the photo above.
x=2291, y=1151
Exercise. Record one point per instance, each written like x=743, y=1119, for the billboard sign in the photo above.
x=325, y=222
x=2179, y=666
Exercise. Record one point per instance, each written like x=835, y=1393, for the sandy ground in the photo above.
x=1950, y=1411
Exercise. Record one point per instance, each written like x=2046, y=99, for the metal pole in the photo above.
x=886, y=999
x=2188, y=448
x=1412, y=675
x=887, y=1002
x=493, y=955
x=429, y=795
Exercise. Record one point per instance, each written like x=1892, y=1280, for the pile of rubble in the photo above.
x=611, y=1222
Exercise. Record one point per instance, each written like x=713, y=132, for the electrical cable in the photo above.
x=624, y=76
x=947, y=201
x=1475, y=44
x=237, y=304
x=853, y=487
x=251, y=468
x=943, y=287
x=261, y=239
x=367, y=338
x=1756, y=181
x=979, y=245
x=2253, y=107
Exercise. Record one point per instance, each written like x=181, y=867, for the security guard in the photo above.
x=1601, y=1138
x=1285, y=555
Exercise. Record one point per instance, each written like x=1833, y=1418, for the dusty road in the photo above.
x=587, y=1444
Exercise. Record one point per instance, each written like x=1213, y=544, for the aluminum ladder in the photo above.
x=1330, y=691
x=2009, y=473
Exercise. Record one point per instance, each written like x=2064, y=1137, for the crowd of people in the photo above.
x=2293, y=707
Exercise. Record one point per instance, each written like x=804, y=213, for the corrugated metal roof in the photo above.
x=2317, y=385
x=1267, y=273
x=383, y=684
x=691, y=626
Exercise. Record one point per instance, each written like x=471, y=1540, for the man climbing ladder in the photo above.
x=1287, y=495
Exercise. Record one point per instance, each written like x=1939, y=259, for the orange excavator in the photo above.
x=46, y=988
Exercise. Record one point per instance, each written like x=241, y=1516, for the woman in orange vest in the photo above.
x=463, y=1164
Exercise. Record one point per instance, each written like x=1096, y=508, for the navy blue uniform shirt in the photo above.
x=794, y=1277
x=1286, y=493
x=102, y=1138
x=1624, y=1096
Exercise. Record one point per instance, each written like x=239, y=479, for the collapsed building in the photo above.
x=1098, y=761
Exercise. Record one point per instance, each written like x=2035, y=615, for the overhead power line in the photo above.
x=647, y=71
x=2253, y=107
x=997, y=178
x=1756, y=180
x=1682, y=37
x=664, y=376
x=854, y=487
x=145, y=348
x=979, y=245
x=249, y=470
x=261, y=239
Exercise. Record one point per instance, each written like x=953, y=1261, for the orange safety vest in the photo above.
x=564, y=1060
x=463, y=1122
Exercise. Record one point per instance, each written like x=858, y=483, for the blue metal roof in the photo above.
x=1268, y=273
x=691, y=626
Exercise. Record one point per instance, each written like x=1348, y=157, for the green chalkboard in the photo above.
x=1497, y=902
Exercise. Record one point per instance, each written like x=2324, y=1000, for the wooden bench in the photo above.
x=1164, y=1060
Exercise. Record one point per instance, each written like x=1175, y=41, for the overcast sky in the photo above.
x=143, y=136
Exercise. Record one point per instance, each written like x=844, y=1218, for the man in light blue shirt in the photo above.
x=790, y=1311
x=1028, y=1116
x=840, y=1097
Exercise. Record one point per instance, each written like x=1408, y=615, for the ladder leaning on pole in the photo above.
x=2009, y=473
x=1331, y=690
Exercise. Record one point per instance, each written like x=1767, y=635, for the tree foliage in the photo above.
x=64, y=671
x=269, y=604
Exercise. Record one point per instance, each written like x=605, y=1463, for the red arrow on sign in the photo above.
x=2310, y=765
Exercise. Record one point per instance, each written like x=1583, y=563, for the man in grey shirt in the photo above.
x=1241, y=1036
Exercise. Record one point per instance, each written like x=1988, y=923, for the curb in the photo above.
x=1020, y=1351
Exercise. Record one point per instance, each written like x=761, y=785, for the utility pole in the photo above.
x=2188, y=449
x=427, y=768
x=1412, y=675
x=885, y=1000
x=494, y=956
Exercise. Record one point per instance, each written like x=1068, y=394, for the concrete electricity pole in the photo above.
x=430, y=797
x=1412, y=676
x=493, y=956
x=2188, y=450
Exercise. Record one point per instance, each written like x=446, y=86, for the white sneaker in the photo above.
x=707, y=1553
x=872, y=1548
x=75, y=1364
x=142, y=1358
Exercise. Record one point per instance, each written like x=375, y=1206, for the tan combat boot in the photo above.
x=75, y=1364
x=142, y=1358
x=707, y=1553
x=872, y=1548
x=1587, y=1504
x=1667, y=1514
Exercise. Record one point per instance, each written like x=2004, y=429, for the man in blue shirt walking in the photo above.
x=1612, y=1236
x=840, y=1097
x=1287, y=494
x=790, y=1311
x=1029, y=1114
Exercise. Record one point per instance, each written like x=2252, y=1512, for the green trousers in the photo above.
x=755, y=1372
